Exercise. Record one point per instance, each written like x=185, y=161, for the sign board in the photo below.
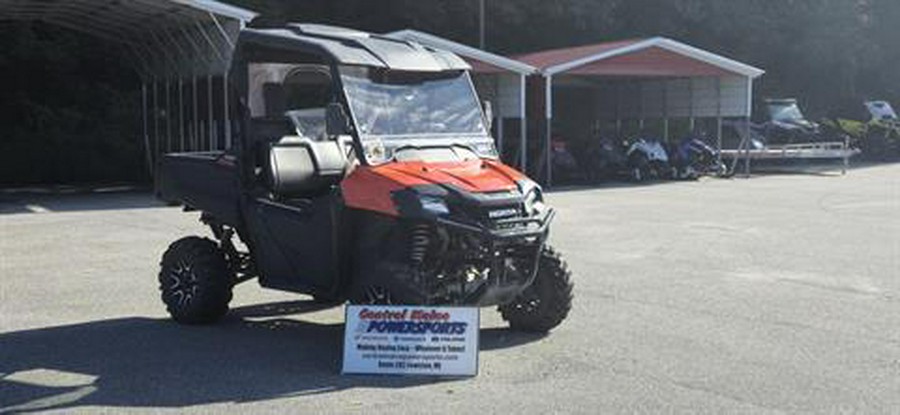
x=411, y=340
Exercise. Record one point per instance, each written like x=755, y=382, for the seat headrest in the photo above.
x=298, y=165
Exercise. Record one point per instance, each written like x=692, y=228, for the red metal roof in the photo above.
x=635, y=60
x=650, y=62
x=553, y=57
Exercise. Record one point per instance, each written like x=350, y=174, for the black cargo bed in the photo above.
x=206, y=181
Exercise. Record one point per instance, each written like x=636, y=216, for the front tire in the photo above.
x=195, y=282
x=546, y=303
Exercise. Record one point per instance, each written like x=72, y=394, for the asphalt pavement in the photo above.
x=776, y=293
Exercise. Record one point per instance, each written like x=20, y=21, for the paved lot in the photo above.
x=776, y=293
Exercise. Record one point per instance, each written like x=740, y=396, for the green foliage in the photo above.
x=831, y=54
x=70, y=109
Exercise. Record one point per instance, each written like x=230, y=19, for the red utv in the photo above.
x=363, y=171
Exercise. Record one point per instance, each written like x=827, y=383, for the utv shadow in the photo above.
x=145, y=362
x=52, y=200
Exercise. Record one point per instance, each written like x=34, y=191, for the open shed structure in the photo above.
x=498, y=79
x=633, y=81
x=180, y=48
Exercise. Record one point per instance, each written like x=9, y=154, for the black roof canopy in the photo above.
x=351, y=47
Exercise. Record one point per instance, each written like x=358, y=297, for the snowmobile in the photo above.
x=566, y=169
x=787, y=124
x=879, y=137
x=605, y=159
x=647, y=159
x=692, y=157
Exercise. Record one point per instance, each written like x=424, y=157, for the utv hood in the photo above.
x=374, y=188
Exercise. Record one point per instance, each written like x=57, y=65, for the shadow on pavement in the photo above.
x=254, y=354
x=51, y=200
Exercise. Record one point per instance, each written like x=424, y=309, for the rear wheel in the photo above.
x=195, y=282
x=546, y=303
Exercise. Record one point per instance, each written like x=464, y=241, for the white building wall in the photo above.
x=674, y=98
x=503, y=90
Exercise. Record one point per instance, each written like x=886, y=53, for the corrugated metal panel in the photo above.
x=683, y=98
x=503, y=90
x=548, y=58
x=650, y=62
x=734, y=96
x=705, y=97
x=165, y=38
x=654, y=57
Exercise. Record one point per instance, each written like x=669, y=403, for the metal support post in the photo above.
x=195, y=136
x=747, y=148
x=665, y=110
x=146, y=122
x=181, y=121
x=225, y=110
x=209, y=111
x=155, y=121
x=168, y=116
x=719, y=118
x=549, y=134
x=523, y=137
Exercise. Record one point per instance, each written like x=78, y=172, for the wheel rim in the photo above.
x=529, y=306
x=182, y=284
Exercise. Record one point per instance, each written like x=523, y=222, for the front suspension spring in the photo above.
x=420, y=239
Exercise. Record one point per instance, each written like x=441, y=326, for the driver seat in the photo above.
x=298, y=167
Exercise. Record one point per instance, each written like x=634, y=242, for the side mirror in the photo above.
x=336, y=121
x=488, y=115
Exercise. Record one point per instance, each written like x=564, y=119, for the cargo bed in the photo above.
x=206, y=181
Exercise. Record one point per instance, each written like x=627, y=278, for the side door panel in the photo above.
x=296, y=245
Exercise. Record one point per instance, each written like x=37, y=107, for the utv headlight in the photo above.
x=375, y=151
x=434, y=205
x=485, y=149
x=534, y=202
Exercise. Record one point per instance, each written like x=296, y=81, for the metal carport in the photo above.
x=498, y=79
x=170, y=43
x=656, y=78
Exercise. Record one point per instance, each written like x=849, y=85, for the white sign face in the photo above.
x=411, y=340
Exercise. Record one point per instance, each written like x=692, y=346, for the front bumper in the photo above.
x=507, y=229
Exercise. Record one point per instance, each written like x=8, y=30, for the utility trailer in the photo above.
x=753, y=148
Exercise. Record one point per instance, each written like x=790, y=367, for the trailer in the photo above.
x=751, y=148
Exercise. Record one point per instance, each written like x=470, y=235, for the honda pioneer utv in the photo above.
x=363, y=170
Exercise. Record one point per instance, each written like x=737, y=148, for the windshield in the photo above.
x=785, y=112
x=308, y=123
x=298, y=93
x=389, y=104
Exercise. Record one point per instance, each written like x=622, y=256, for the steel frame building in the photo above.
x=178, y=47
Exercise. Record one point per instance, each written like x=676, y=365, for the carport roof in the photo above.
x=481, y=61
x=163, y=37
x=654, y=57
